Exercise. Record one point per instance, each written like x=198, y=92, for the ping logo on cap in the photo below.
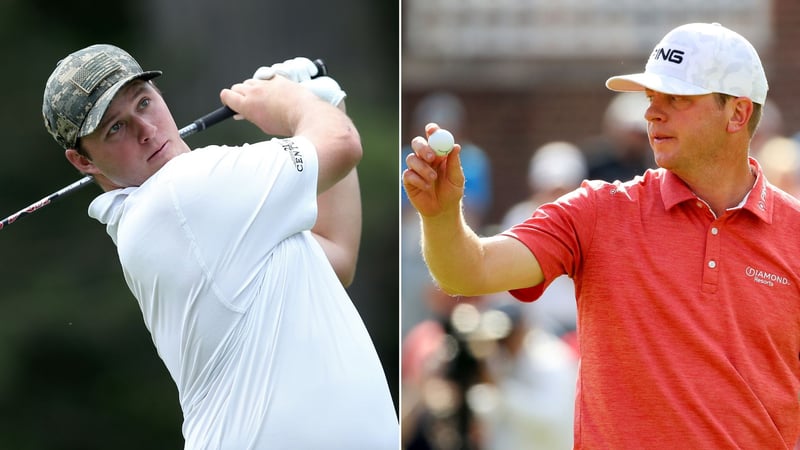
x=672, y=55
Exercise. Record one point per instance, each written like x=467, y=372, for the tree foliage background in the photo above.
x=77, y=367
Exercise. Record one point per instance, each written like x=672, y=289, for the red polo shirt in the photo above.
x=689, y=325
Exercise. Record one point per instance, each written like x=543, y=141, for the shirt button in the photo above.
x=699, y=204
x=712, y=264
x=714, y=231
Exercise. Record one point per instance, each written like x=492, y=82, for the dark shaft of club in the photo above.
x=212, y=118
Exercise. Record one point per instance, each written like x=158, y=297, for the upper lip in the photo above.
x=659, y=135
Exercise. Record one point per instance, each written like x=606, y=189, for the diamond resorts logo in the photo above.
x=769, y=279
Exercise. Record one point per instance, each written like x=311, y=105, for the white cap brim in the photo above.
x=660, y=83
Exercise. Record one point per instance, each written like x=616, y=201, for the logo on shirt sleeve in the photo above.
x=294, y=153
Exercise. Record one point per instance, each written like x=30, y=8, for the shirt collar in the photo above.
x=758, y=201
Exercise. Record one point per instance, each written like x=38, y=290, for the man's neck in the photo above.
x=722, y=189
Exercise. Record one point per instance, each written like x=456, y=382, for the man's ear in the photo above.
x=80, y=162
x=742, y=111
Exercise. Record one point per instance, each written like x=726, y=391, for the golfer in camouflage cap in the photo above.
x=223, y=307
x=82, y=86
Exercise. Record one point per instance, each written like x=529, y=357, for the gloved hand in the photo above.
x=296, y=69
x=326, y=88
x=301, y=70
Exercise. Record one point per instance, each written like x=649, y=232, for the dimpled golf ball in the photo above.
x=441, y=141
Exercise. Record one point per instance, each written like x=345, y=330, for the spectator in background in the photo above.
x=780, y=160
x=554, y=169
x=526, y=399
x=771, y=126
x=439, y=369
x=622, y=151
x=777, y=153
x=479, y=376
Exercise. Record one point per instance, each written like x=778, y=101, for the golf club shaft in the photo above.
x=212, y=118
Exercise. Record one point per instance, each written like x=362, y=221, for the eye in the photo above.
x=113, y=129
x=144, y=102
x=680, y=101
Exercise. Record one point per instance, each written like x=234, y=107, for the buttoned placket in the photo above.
x=711, y=260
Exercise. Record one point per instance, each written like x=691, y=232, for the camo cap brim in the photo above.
x=82, y=86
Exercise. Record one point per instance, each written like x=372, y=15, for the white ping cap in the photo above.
x=700, y=58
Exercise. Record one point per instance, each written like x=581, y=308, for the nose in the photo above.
x=146, y=129
x=653, y=112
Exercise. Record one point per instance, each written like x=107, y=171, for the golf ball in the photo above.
x=441, y=141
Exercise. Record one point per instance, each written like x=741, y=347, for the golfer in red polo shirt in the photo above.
x=687, y=277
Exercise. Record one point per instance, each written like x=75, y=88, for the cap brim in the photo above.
x=660, y=83
x=95, y=115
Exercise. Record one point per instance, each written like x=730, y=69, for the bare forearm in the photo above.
x=453, y=253
x=461, y=262
x=465, y=264
x=337, y=141
x=332, y=132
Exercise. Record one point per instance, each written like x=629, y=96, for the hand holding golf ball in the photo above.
x=441, y=141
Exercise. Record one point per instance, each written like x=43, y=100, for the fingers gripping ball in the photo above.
x=441, y=141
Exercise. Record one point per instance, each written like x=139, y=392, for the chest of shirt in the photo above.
x=734, y=271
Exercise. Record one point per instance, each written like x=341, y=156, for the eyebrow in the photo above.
x=132, y=90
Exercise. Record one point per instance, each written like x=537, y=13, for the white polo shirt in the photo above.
x=263, y=342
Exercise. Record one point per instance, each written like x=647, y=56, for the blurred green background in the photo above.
x=77, y=366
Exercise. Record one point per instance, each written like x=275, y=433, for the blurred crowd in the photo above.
x=492, y=373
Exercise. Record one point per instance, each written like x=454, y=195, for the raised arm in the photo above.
x=338, y=226
x=461, y=262
x=281, y=107
x=291, y=109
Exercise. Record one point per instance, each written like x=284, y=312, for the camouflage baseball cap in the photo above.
x=82, y=86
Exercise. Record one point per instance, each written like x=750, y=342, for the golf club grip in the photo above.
x=224, y=112
x=212, y=118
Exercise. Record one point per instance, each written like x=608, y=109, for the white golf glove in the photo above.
x=296, y=69
x=301, y=70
